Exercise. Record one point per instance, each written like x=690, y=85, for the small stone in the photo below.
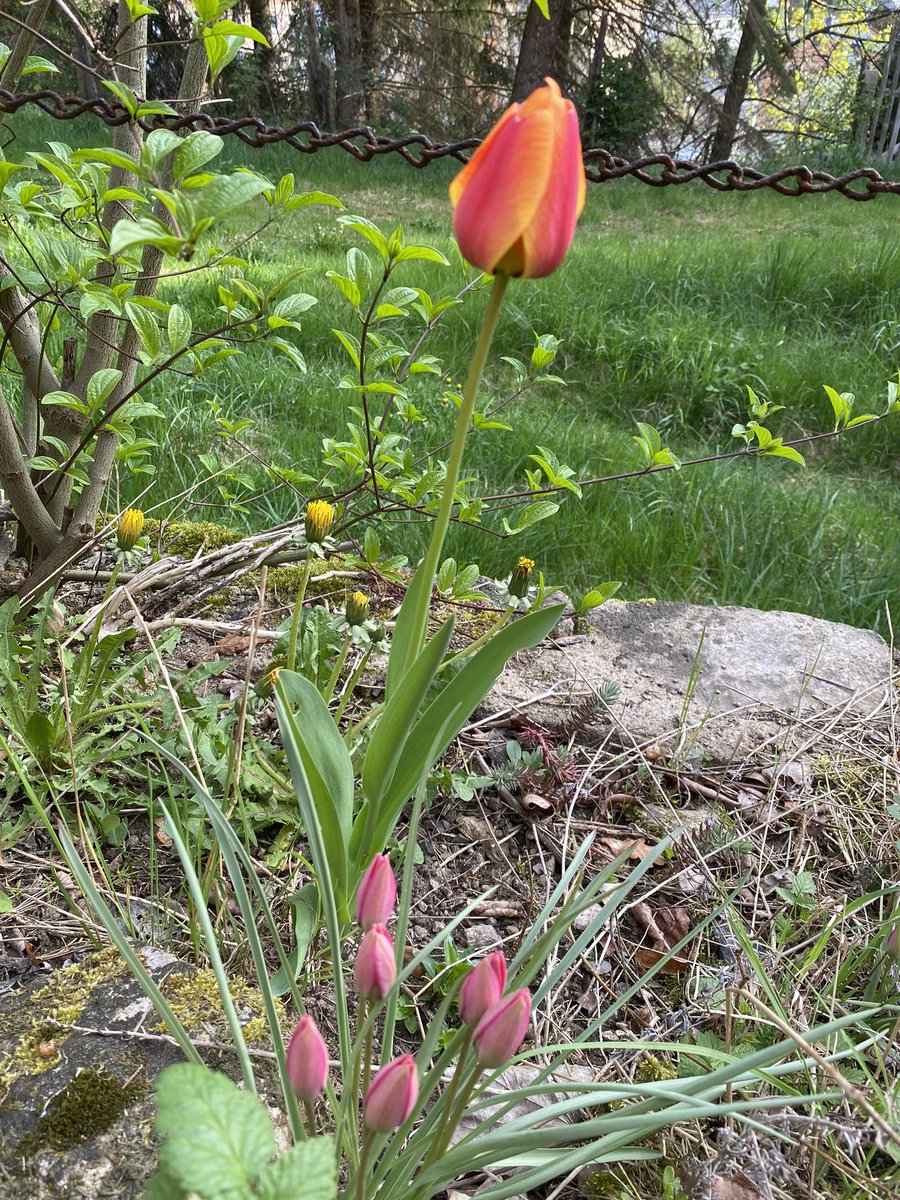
x=483, y=937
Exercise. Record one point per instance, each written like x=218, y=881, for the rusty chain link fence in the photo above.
x=657, y=170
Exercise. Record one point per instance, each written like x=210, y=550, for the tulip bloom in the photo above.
x=517, y=200
x=501, y=1030
x=375, y=968
x=307, y=1061
x=482, y=988
x=377, y=893
x=392, y=1095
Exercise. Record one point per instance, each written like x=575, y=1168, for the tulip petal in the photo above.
x=548, y=237
x=460, y=182
x=500, y=199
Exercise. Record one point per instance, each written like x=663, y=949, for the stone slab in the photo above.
x=724, y=683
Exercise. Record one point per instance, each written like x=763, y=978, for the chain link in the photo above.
x=418, y=150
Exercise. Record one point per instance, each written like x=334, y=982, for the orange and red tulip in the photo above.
x=517, y=200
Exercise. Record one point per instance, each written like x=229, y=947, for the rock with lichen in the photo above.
x=80, y=1052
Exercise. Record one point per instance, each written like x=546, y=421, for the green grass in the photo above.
x=670, y=301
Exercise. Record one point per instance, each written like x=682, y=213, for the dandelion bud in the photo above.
x=392, y=1095
x=375, y=968
x=307, y=1061
x=319, y=520
x=501, y=1030
x=266, y=684
x=357, y=608
x=482, y=988
x=377, y=893
x=521, y=577
x=131, y=525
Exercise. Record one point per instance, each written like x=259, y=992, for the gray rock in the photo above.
x=724, y=683
x=76, y=1104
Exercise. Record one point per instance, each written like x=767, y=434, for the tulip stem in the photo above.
x=295, y=615
x=310, y=1109
x=363, y=1169
x=444, y=1131
x=463, y=420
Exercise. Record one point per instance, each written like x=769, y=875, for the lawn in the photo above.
x=671, y=301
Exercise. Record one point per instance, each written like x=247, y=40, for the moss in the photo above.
x=195, y=1000
x=62, y=1001
x=92, y=1102
x=655, y=1070
x=285, y=582
x=187, y=537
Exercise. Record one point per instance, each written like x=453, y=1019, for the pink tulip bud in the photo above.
x=377, y=893
x=392, y=1095
x=375, y=968
x=501, y=1030
x=307, y=1061
x=482, y=988
x=892, y=944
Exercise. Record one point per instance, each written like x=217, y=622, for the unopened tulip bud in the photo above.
x=482, y=988
x=131, y=525
x=375, y=968
x=501, y=1030
x=357, y=608
x=517, y=199
x=377, y=893
x=892, y=944
x=392, y=1095
x=319, y=520
x=521, y=577
x=307, y=1061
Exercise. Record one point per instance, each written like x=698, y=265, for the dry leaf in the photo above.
x=647, y=958
x=234, y=643
x=733, y=1187
x=535, y=806
x=617, y=846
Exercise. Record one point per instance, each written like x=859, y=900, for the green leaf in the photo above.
x=414, y=253
x=305, y=920
x=350, y=344
x=307, y=1171
x=292, y=306
x=218, y=1139
x=101, y=385
x=142, y=232
x=109, y=158
x=233, y=29
x=446, y=715
x=195, y=150
x=395, y=723
x=179, y=328
x=348, y=288
x=368, y=231
x=40, y=736
x=228, y=192
x=530, y=514
x=123, y=94
x=598, y=595
x=220, y=51
x=147, y=329
x=544, y=6
x=320, y=765
x=159, y=145
x=306, y=198
x=6, y=905
x=776, y=450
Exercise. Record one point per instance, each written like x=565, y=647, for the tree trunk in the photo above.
x=347, y=63
x=736, y=92
x=264, y=58
x=321, y=109
x=544, y=49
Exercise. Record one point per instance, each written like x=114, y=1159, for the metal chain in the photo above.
x=418, y=150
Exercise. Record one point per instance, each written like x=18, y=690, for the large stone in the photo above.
x=722, y=683
x=80, y=1052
